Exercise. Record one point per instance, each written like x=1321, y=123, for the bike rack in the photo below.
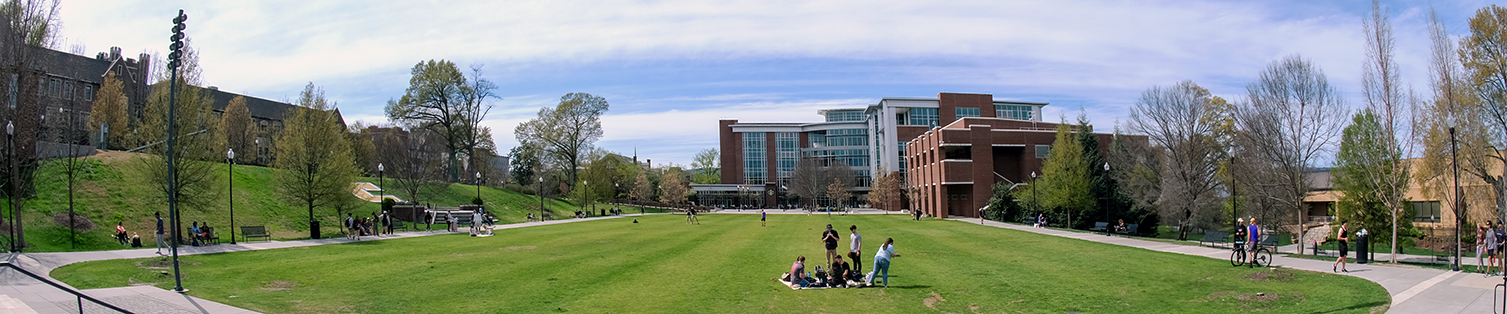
x=1502, y=287
x=80, y=296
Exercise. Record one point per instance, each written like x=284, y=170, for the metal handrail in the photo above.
x=80, y=295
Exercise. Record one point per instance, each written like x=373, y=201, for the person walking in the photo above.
x=1501, y=237
x=1339, y=263
x=882, y=262
x=1491, y=247
x=855, y=248
x=829, y=238
x=1480, y=246
x=763, y=216
x=161, y=240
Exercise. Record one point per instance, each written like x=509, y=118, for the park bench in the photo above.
x=398, y=225
x=547, y=217
x=1130, y=229
x=1214, y=238
x=1099, y=226
x=1269, y=241
x=202, y=240
x=248, y=232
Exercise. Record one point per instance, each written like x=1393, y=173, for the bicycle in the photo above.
x=1262, y=256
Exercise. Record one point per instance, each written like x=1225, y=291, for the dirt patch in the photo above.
x=280, y=285
x=1219, y=294
x=155, y=264
x=973, y=308
x=1279, y=274
x=521, y=247
x=933, y=300
x=1258, y=297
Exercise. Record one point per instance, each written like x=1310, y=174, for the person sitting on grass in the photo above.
x=120, y=232
x=837, y=276
x=798, y=273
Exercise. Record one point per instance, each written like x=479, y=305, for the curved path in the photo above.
x=23, y=295
x=1413, y=289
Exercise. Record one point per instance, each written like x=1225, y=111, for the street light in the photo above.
x=230, y=154
x=540, y=190
x=1035, y=200
x=10, y=132
x=478, y=186
x=1103, y=202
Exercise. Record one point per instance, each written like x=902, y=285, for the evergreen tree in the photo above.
x=1066, y=187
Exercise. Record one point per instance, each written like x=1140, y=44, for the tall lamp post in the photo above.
x=540, y=191
x=1456, y=164
x=1234, y=203
x=230, y=154
x=478, y=186
x=10, y=133
x=1035, y=200
x=1103, y=202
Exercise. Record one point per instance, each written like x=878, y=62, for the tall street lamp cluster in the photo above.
x=176, y=52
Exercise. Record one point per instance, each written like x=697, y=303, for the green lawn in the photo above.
x=112, y=191
x=725, y=265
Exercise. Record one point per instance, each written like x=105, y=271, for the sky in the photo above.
x=671, y=69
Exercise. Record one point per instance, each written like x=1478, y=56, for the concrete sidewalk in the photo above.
x=22, y=294
x=1413, y=289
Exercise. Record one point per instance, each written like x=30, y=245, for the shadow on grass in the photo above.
x=1351, y=308
x=907, y=287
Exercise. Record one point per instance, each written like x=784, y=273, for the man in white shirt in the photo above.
x=855, y=249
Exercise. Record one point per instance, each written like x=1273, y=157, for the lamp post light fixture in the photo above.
x=1104, y=201
x=540, y=190
x=10, y=132
x=478, y=186
x=1035, y=200
x=230, y=154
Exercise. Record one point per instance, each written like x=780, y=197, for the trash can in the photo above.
x=1362, y=246
x=314, y=229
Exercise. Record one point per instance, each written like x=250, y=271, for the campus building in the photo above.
x=759, y=159
x=53, y=113
x=1432, y=210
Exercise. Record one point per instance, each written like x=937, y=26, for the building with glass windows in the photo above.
x=759, y=159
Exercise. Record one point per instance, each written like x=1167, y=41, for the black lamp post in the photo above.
x=230, y=154
x=1234, y=203
x=72, y=167
x=10, y=133
x=540, y=191
x=478, y=186
x=1103, y=202
x=1035, y=200
x=1456, y=164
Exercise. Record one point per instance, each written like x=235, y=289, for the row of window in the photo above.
x=965, y=112
x=754, y=158
x=1017, y=112
x=845, y=115
x=787, y=151
x=922, y=116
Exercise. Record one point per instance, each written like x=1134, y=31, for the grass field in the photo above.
x=109, y=189
x=725, y=265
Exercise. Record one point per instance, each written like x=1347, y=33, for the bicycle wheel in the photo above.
x=1237, y=259
x=1263, y=257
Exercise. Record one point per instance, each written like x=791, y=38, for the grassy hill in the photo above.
x=110, y=188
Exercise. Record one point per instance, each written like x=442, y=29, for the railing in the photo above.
x=80, y=296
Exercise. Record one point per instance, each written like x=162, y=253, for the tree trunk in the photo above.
x=1394, y=237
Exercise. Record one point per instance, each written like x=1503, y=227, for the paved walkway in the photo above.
x=1413, y=289
x=23, y=295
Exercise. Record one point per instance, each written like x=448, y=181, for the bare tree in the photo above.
x=1290, y=116
x=413, y=162
x=886, y=189
x=1485, y=68
x=1388, y=177
x=675, y=188
x=1186, y=123
x=1454, y=107
x=813, y=174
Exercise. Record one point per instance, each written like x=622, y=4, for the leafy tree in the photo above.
x=642, y=189
x=1485, y=67
x=314, y=165
x=196, y=181
x=238, y=129
x=440, y=99
x=110, y=110
x=708, y=167
x=363, y=149
x=1002, y=204
x=1065, y=182
x=674, y=190
x=564, y=133
x=524, y=162
x=1362, y=157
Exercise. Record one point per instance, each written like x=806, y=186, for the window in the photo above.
x=53, y=87
x=923, y=116
x=844, y=115
x=1017, y=112
x=787, y=150
x=846, y=137
x=88, y=92
x=68, y=90
x=964, y=112
x=1042, y=151
x=755, y=161
x=1426, y=211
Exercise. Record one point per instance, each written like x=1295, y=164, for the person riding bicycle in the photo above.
x=1253, y=233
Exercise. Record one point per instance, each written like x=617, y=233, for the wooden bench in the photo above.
x=1130, y=229
x=1099, y=226
x=398, y=225
x=1269, y=241
x=211, y=239
x=248, y=232
x=1214, y=238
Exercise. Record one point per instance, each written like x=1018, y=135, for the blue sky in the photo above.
x=671, y=69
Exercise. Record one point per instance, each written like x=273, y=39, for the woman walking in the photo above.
x=882, y=262
x=1344, y=249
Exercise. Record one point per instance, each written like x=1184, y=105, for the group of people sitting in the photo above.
x=839, y=274
x=202, y=235
x=365, y=226
x=120, y=234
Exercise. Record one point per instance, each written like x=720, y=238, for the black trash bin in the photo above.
x=314, y=229
x=1362, y=246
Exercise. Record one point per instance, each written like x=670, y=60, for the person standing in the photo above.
x=1501, y=237
x=1253, y=234
x=1491, y=247
x=1480, y=246
x=763, y=216
x=882, y=262
x=1339, y=263
x=855, y=248
x=161, y=241
x=829, y=238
